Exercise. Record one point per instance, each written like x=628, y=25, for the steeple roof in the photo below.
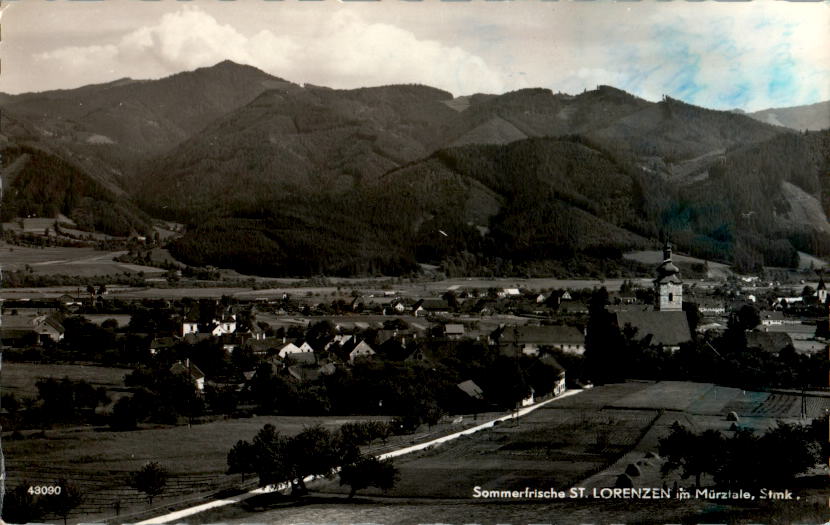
x=667, y=272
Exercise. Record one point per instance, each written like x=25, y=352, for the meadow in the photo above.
x=586, y=440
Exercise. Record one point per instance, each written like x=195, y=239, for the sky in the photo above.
x=721, y=55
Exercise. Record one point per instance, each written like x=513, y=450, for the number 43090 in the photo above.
x=44, y=490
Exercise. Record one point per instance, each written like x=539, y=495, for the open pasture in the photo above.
x=57, y=260
x=552, y=447
x=20, y=378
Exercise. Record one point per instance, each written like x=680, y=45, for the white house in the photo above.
x=291, y=348
x=361, y=350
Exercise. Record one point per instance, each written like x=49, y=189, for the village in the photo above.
x=422, y=362
x=304, y=337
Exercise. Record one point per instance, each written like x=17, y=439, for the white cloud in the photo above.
x=344, y=51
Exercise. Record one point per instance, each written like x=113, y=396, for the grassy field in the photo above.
x=20, y=378
x=585, y=440
x=54, y=260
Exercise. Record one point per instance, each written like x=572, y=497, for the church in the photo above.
x=665, y=324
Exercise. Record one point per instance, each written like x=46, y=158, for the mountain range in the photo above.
x=277, y=178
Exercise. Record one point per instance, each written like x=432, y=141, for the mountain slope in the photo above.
x=812, y=117
x=122, y=122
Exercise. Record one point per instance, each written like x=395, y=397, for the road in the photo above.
x=184, y=513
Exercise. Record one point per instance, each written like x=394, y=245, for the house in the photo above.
x=471, y=389
x=559, y=386
x=530, y=340
x=191, y=370
x=190, y=323
x=224, y=324
x=711, y=308
x=305, y=373
x=772, y=342
x=161, y=343
x=426, y=307
x=454, y=331
x=291, y=348
x=362, y=350
x=772, y=318
x=509, y=292
x=573, y=307
x=30, y=329
x=339, y=341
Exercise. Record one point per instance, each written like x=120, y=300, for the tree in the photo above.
x=21, y=507
x=693, y=454
x=62, y=504
x=368, y=471
x=802, y=452
x=150, y=479
x=748, y=317
x=124, y=415
x=242, y=459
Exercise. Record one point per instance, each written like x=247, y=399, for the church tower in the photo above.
x=821, y=290
x=668, y=287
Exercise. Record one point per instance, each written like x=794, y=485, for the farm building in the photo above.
x=190, y=369
x=530, y=340
x=454, y=331
x=30, y=329
x=362, y=350
x=426, y=307
x=291, y=348
x=772, y=342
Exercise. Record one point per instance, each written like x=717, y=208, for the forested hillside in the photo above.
x=285, y=179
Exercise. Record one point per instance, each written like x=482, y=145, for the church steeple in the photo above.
x=668, y=287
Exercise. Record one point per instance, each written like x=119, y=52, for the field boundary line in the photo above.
x=184, y=513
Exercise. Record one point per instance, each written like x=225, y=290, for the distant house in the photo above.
x=771, y=342
x=772, y=318
x=226, y=324
x=339, y=341
x=509, y=292
x=559, y=386
x=190, y=323
x=471, y=389
x=530, y=340
x=454, y=331
x=30, y=329
x=426, y=307
x=362, y=350
x=573, y=307
x=304, y=373
x=301, y=358
x=190, y=369
x=291, y=348
x=161, y=343
x=711, y=308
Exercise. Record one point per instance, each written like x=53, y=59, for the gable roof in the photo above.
x=543, y=335
x=434, y=304
x=665, y=328
x=772, y=342
x=184, y=368
x=471, y=389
